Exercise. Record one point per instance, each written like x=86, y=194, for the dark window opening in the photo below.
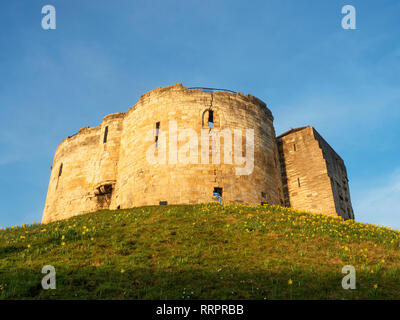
x=103, y=195
x=119, y=207
x=294, y=146
x=105, y=135
x=104, y=189
x=298, y=182
x=60, y=171
x=211, y=118
x=163, y=203
x=263, y=195
x=217, y=192
x=157, y=131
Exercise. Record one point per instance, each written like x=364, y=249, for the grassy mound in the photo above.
x=205, y=251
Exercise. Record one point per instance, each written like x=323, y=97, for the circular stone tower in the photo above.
x=175, y=146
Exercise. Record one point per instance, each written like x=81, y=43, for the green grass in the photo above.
x=200, y=252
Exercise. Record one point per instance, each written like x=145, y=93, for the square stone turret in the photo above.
x=314, y=176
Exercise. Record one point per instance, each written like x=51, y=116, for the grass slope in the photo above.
x=205, y=251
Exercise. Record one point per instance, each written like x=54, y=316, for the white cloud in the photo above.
x=380, y=205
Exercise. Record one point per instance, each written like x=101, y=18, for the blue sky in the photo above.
x=292, y=54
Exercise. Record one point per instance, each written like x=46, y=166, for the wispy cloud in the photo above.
x=381, y=205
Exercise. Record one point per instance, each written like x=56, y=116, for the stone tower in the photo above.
x=314, y=177
x=108, y=166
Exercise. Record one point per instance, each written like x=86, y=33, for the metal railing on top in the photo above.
x=212, y=89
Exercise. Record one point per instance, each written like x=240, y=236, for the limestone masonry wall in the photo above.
x=82, y=164
x=106, y=167
x=311, y=173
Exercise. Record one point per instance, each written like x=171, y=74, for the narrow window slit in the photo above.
x=60, y=171
x=211, y=118
x=59, y=175
x=157, y=131
x=105, y=135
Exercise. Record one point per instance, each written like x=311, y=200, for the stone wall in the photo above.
x=338, y=177
x=82, y=165
x=313, y=175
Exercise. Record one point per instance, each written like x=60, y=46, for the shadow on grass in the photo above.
x=107, y=283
